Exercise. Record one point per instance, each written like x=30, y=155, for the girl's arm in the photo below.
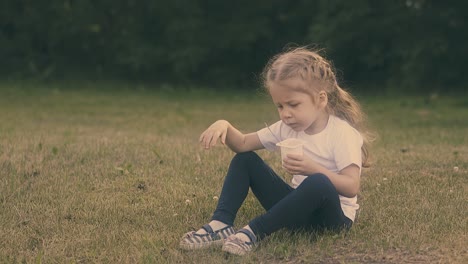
x=230, y=136
x=346, y=182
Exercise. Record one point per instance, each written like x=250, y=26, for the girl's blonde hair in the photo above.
x=317, y=74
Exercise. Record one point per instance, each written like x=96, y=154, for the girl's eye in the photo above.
x=279, y=106
x=294, y=105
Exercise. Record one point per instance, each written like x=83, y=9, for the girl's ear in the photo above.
x=323, y=99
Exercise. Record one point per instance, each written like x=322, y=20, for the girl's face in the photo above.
x=297, y=109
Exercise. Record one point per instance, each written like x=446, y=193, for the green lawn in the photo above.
x=113, y=173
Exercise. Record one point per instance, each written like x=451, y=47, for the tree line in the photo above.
x=403, y=44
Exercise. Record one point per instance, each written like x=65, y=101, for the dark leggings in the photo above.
x=313, y=205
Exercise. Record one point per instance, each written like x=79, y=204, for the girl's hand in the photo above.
x=346, y=182
x=299, y=164
x=218, y=130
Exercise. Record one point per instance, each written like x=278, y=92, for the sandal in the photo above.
x=191, y=240
x=237, y=246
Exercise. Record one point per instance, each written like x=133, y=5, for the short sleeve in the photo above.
x=347, y=148
x=271, y=135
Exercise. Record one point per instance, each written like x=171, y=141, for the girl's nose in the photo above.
x=286, y=114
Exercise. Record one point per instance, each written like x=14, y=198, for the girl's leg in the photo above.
x=314, y=204
x=248, y=170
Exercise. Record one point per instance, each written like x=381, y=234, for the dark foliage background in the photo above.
x=408, y=45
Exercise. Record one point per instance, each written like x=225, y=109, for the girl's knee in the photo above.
x=317, y=186
x=245, y=157
x=317, y=180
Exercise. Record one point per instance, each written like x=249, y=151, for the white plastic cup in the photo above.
x=290, y=146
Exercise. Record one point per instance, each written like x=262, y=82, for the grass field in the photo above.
x=113, y=173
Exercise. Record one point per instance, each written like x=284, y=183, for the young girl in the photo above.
x=323, y=194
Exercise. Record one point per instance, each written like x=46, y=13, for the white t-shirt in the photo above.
x=335, y=148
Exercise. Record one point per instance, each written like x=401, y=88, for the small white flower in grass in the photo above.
x=455, y=169
x=188, y=201
x=175, y=214
x=384, y=179
x=378, y=184
x=215, y=198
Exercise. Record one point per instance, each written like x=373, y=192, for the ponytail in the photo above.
x=343, y=105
